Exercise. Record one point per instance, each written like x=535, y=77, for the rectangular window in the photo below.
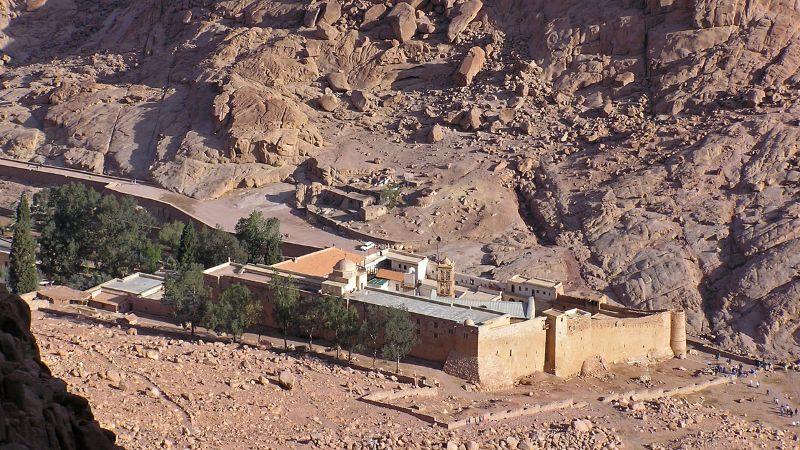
x=435, y=324
x=466, y=336
x=449, y=331
x=435, y=335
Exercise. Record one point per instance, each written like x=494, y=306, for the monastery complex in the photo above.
x=483, y=330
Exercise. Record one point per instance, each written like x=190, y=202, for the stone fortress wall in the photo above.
x=613, y=333
x=512, y=351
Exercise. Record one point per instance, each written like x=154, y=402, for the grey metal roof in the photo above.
x=134, y=285
x=423, y=307
x=5, y=246
x=514, y=309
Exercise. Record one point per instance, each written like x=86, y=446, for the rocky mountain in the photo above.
x=37, y=410
x=651, y=145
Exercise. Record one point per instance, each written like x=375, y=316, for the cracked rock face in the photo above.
x=650, y=145
x=37, y=411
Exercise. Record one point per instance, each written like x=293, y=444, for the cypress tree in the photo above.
x=187, y=251
x=22, y=277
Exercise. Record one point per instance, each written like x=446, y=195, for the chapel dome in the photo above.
x=345, y=265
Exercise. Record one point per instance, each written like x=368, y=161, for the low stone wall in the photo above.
x=383, y=399
x=316, y=217
x=708, y=348
x=387, y=396
x=515, y=413
x=653, y=394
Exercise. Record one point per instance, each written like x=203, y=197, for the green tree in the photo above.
x=22, y=276
x=120, y=239
x=187, y=250
x=170, y=235
x=78, y=226
x=151, y=257
x=235, y=312
x=66, y=216
x=371, y=330
x=83, y=281
x=310, y=317
x=215, y=246
x=285, y=296
x=189, y=297
x=342, y=321
x=274, y=254
x=391, y=195
x=260, y=237
x=400, y=335
x=349, y=327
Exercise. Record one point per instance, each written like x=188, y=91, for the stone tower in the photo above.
x=445, y=275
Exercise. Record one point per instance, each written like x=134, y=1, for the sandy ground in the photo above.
x=156, y=391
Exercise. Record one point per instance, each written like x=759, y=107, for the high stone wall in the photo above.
x=512, y=351
x=575, y=339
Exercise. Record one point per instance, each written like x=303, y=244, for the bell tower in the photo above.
x=445, y=275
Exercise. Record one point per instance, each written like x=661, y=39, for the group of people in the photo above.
x=739, y=371
x=784, y=408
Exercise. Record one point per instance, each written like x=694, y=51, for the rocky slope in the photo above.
x=159, y=391
x=37, y=411
x=650, y=144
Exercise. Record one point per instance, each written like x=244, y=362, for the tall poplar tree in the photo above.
x=187, y=250
x=22, y=277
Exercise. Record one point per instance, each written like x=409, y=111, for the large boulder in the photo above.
x=83, y=159
x=286, y=380
x=462, y=16
x=326, y=32
x=328, y=102
x=360, y=100
x=372, y=16
x=471, y=120
x=36, y=411
x=403, y=20
x=331, y=13
x=470, y=66
x=338, y=82
x=435, y=134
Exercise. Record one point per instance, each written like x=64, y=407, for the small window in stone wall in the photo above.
x=435, y=324
x=435, y=335
x=449, y=331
